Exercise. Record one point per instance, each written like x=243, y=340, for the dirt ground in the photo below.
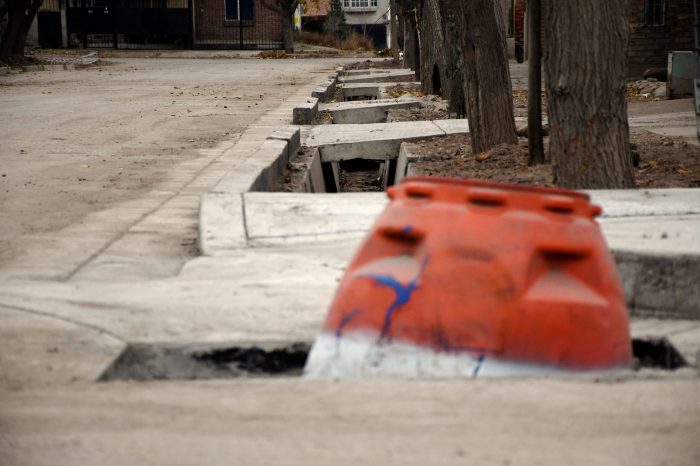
x=75, y=142
x=374, y=65
x=664, y=162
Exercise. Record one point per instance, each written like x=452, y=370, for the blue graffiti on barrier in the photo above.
x=345, y=321
x=403, y=293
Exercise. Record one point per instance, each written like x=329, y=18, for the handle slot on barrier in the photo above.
x=406, y=235
x=484, y=198
x=419, y=192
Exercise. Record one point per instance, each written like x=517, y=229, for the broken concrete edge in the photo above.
x=305, y=113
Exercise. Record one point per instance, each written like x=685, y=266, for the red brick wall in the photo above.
x=649, y=45
x=212, y=29
x=519, y=26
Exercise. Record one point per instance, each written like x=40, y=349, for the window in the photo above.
x=655, y=13
x=359, y=3
x=239, y=9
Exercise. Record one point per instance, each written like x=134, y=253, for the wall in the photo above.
x=371, y=15
x=211, y=28
x=649, y=45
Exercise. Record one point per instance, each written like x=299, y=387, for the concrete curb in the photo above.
x=325, y=91
x=306, y=113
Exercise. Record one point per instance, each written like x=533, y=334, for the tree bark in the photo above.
x=432, y=48
x=535, y=140
x=285, y=9
x=21, y=39
x=394, y=32
x=487, y=86
x=288, y=31
x=411, y=44
x=15, y=19
x=586, y=64
x=454, y=69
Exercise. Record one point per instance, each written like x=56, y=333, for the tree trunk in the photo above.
x=535, y=140
x=454, y=69
x=487, y=78
x=411, y=46
x=288, y=31
x=21, y=40
x=586, y=64
x=394, y=33
x=285, y=9
x=432, y=47
x=15, y=17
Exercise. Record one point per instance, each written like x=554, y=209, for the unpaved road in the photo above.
x=369, y=422
x=74, y=142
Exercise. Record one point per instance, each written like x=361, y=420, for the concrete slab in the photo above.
x=379, y=77
x=378, y=141
x=270, y=294
x=359, y=92
x=363, y=112
x=280, y=218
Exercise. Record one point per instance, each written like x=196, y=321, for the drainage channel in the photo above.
x=144, y=362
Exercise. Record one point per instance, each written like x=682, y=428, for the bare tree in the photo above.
x=432, y=46
x=285, y=9
x=454, y=68
x=488, y=88
x=535, y=139
x=586, y=66
x=20, y=15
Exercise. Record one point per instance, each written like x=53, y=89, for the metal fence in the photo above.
x=236, y=24
x=158, y=24
x=129, y=24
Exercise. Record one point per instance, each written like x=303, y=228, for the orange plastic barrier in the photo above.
x=511, y=273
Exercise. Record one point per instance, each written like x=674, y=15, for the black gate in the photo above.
x=236, y=24
x=151, y=24
x=129, y=24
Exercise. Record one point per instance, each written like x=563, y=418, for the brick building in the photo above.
x=656, y=28
x=235, y=24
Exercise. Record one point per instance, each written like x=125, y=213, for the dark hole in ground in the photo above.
x=656, y=353
x=259, y=361
x=361, y=175
x=190, y=362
